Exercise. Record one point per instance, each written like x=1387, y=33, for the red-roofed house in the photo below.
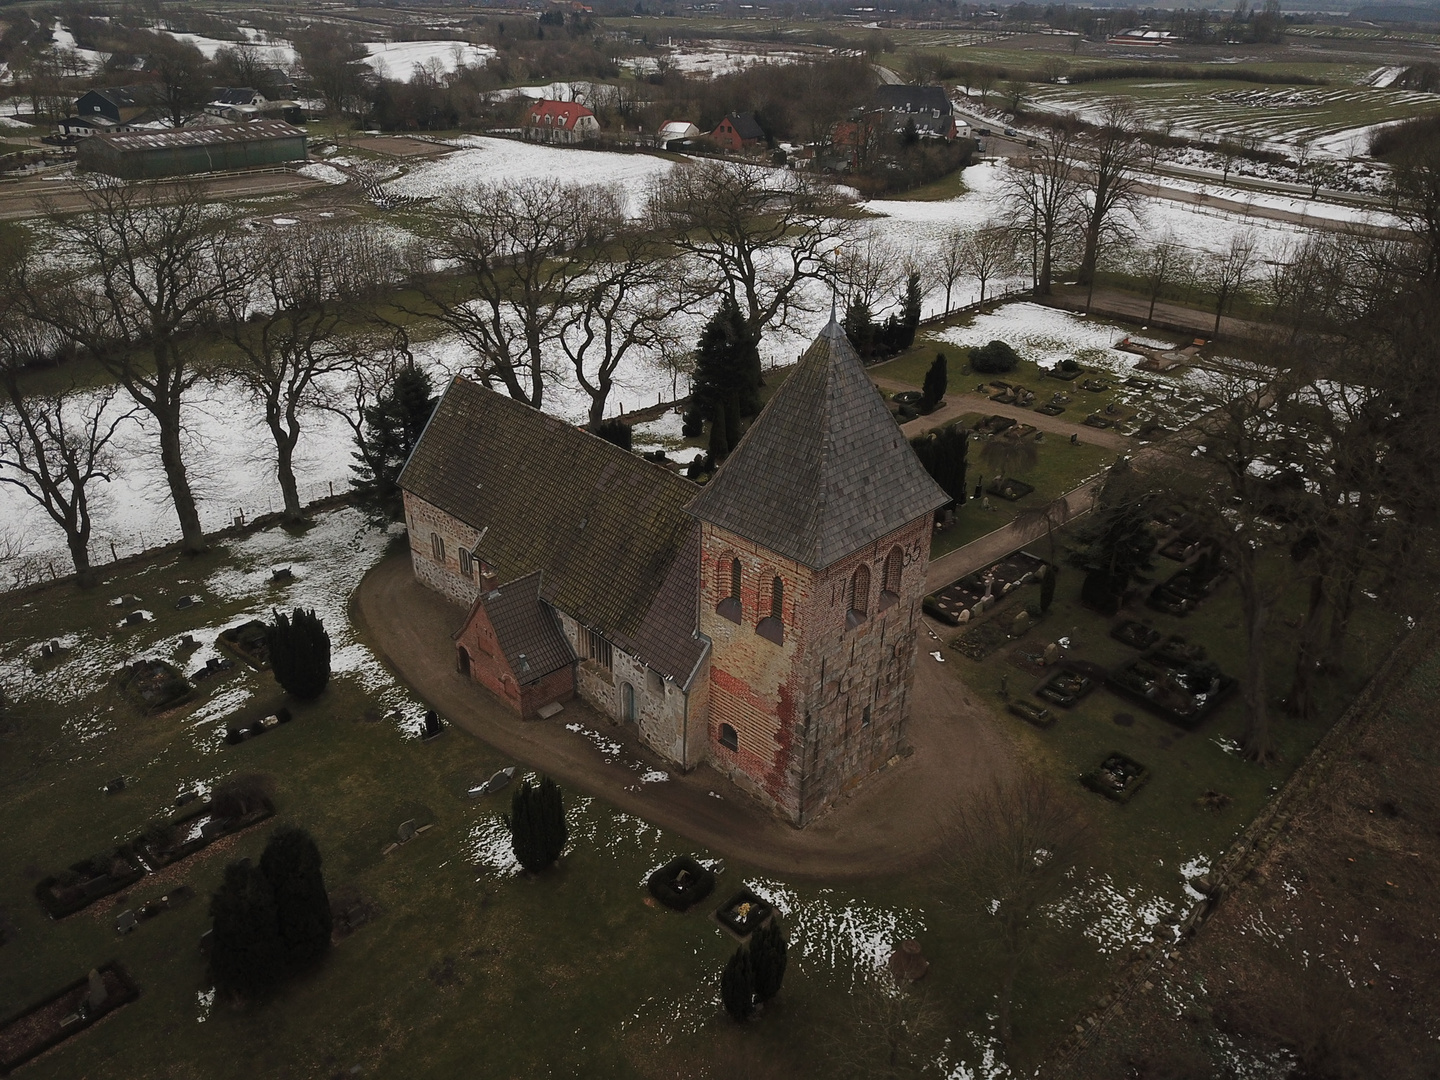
x=738, y=131
x=560, y=122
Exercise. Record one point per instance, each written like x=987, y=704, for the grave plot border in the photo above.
x=1092, y=780
x=128, y=992
x=728, y=922
x=661, y=887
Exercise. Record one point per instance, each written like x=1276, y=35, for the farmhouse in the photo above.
x=560, y=122
x=146, y=155
x=738, y=131
x=118, y=104
x=927, y=107
x=765, y=623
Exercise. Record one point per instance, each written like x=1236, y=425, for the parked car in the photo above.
x=1011, y=131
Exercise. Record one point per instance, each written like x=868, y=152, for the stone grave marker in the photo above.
x=95, y=998
x=1052, y=653
x=126, y=922
x=115, y=786
x=282, y=573
x=406, y=832
x=135, y=618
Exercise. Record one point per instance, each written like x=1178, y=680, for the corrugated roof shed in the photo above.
x=604, y=525
x=211, y=136
x=824, y=469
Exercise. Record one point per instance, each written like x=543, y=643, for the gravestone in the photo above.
x=406, y=832
x=126, y=922
x=188, y=601
x=1021, y=624
x=282, y=573
x=432, y=724
x=189, y=795
x=95, y=997
x=115, y=786
x=135, y=618
x=1052, y=653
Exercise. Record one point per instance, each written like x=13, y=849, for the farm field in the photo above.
x=1336, y=118
x=459, y=951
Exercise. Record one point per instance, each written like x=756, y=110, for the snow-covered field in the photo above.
x=274, y=51
x=482, y=159
x=715, y=58
x=1335, y=120
x=87, y=59
x=400, y=59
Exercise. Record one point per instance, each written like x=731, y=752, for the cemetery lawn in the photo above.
x=1061, y=468
x=467, y=967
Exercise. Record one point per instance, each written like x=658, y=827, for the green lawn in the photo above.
x=467, y=968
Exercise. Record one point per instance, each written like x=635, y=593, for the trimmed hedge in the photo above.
x=663, y=886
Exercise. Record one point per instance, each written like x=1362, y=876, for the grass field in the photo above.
x=467, y=966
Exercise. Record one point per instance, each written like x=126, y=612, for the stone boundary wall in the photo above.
x=1246, y=852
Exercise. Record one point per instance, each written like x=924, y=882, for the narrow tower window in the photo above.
x=772, y=626
x=729, y=606
x=859, y=596
x=894, y=567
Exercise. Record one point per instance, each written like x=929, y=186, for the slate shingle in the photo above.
x=604, y=525
x=527, y=629
x=824, y=469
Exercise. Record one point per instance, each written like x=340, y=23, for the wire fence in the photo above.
x=108, y=547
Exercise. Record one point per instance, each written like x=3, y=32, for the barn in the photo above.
x=145, y=155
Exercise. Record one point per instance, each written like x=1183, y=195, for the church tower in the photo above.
x=815, y=538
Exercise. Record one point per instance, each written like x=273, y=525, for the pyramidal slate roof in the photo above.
x=824, y=469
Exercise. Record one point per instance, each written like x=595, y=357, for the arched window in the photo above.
x=437, y=547
x=772, y=627
x=729, y=738
x=894, y=568
x=728, y=586
x=467, y=563
x=859, y=599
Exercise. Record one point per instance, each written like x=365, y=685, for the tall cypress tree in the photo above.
x=299, y=653
x=538, y=830
x=910, y=302
x=943, y=453
x=769, y=954
x=859, y=327
x=291, y=863
x=247, y=956
x=737, y=986
x=937, y=381
x=727, y=370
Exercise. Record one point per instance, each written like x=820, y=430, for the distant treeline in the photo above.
x=1394, y=142
x=1102, y=72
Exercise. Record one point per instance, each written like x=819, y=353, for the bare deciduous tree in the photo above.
x=990, y=255
x=136, y=271
x=1040, y=192
x=1161, y=264
x=1109, y=157
x=520, y=249
x=291, y=291
x=624, y=306
x=1230, y=271
x=760, y=237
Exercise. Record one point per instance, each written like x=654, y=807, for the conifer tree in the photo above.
x=299, y=653
x=392, y=427
x=247, y=957
x=937, y=381
x=943, y=453
x=615, y=431
x=727, y=370
x=909, y=312
x=719, y=439
x=291, y=864
x=859, y=327
x=538, y=831
x=737, y=986
x=1047, y=587
x=769, y=953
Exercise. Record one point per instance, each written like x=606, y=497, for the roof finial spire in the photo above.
x=834, y=289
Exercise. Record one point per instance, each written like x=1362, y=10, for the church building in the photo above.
x=765, y=623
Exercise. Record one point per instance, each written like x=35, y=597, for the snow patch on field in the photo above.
x=401, y=59
x=1114, y=918
x=318, y=170
x=492, y=161
x=274, y=51
x=848, y=938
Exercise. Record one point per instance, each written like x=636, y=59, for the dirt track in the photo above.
x=26, y=198
x=895, y=821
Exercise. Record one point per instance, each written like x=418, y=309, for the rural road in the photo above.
x=896, y=820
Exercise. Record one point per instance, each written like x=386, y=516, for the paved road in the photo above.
x=1128, y=307
x=894, y=821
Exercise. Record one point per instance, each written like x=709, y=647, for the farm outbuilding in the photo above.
x=145, y=155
